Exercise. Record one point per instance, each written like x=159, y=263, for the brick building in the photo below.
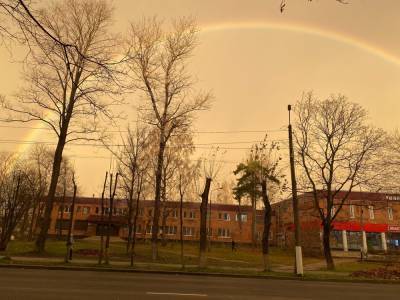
x=225, y=222
x=372, y=219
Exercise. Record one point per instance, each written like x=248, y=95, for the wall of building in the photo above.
x=224, y=222
x=377, y=214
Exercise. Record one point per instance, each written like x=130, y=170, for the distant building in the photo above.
x=227, y=221
x=376, y=214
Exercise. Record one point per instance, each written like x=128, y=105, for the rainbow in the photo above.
x=307, y=30
x=270, y=25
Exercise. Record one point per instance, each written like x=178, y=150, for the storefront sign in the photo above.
x=393, y=228
x=393, y=197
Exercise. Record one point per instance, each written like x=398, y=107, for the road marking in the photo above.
x=176, y=294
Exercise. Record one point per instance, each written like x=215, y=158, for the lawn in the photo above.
x=219, y=254
x=221, y=258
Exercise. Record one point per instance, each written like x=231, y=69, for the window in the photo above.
x=78, y=209
x=170, y=230
x=86, y=210
x=390, y=213
x=149, y=229
x=150, y=212
x=189, y=214
x=141, y=211
x=97, y=210
x=224, y=216
x=242, y=217
x=67, y=209
x=138, y=228
x=352, y=211
x=188, y=231
x=175, y=213
x=224, y=232
x=333, y=210
x=209, y=231
x=371, y=212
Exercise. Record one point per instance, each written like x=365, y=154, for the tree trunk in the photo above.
x=165, y=215
x=32, y=223
x=267, y=225
x=110, y=213
x=102, y=222
x=61, y=215
x=130, y=213
x=134, y=230
x=203, y=224
x=181, y=230
x=254, y=223
x=4, y=240
x=45, y=224
x=157, y=198
x=23, y=229
x=240, y=216
x=327, y=247
x=68, y=255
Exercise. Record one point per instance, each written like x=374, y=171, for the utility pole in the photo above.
x=299, y=257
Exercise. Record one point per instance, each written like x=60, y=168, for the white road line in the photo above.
x=177, y=294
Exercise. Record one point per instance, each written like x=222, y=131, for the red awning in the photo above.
x=349, y=226
x=353, y=226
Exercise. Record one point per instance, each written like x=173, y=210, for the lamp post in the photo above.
x=299, y=257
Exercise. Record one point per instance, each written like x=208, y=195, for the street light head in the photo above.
x=289, y=107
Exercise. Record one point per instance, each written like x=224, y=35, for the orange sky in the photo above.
x=256, y=61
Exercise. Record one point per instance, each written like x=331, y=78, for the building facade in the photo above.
x=371, y=220
x=225, y=222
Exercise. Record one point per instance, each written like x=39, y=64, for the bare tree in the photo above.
x=178, y=152
x=283, y=4
x=336, y=151
x=67, y=88
x=158, y=68
x=390, y=162
x=15, y=197
x=133, y=164
x=186, y=174
x=40, y=161
x=211, y=166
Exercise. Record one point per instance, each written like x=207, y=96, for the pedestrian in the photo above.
x=233, y=245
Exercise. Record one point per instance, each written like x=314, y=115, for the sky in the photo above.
x=256, y=61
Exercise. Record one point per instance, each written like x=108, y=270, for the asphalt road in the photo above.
x=60, y=285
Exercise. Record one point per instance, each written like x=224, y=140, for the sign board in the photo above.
x=392, y=197
x=394, y=228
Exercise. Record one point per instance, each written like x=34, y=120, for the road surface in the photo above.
x=60, y=285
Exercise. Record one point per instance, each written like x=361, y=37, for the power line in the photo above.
x=200, y=145
x=107, y=157
x=194, y=131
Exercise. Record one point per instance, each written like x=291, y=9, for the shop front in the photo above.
x=393, y=237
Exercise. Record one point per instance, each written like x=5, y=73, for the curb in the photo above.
x=177, y=273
